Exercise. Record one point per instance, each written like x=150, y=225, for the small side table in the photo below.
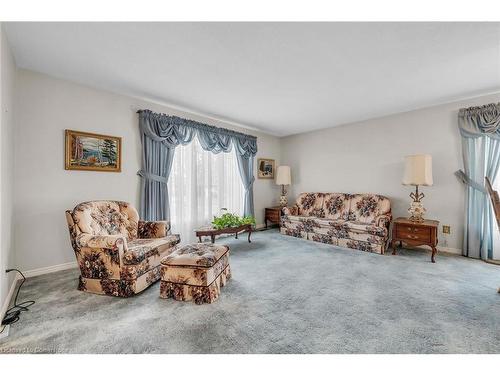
x=415, y=234
x=273, y=214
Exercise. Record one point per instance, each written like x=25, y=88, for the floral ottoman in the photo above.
x=195, y=272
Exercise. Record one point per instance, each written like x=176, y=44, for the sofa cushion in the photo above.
x=328, y=223
x=140, y=249
x=336, y=205
x=311, y=204
x=198, y=254
x=301, y=223
x=365, y=208
x=360, y=227
x=106, y=217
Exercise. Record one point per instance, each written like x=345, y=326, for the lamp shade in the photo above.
x=283, y=176
x=418, y=170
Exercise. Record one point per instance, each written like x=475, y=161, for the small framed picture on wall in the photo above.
x=265, y=168
x=92, y=152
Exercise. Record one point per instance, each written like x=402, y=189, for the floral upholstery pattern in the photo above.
x=198, y=294
x=115, y=256
x=294, y=210
x=198, y=254
x=355, y=221
x=311, y=204
x=106, y=218
x=143, y=248
x=195, y=272
x=153, y=229
x=366, y=207
x=336, y=206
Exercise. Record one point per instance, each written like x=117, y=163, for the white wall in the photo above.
x=7, y=76
x=44, y=189
x=368, y=157
x=359, y=157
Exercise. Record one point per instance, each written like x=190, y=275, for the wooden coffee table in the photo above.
x=212, y=232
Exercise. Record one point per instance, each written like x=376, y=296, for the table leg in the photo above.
x=249, y=233
x=199, y=238
x=433, y=256
x=236, y=235
x=212, y=238
x=393, y=245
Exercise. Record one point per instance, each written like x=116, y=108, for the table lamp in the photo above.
x=418, y=171
x=283, y=178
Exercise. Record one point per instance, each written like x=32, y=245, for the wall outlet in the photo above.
x=446, y=229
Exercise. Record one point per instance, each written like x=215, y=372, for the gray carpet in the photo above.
x=287, y=295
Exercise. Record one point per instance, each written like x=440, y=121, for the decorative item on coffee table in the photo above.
x=227, y=223
x=283, y=178
x=418, y=171
x=272, y=214
x=415, y=233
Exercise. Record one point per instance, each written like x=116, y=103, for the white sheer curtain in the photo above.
x=200, y=184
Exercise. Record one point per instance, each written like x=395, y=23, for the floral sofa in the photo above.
x=356, y=221
x=118, y=254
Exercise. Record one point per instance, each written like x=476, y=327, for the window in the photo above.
x=200, y=184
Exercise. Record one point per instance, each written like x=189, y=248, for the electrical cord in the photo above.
x=13, y=314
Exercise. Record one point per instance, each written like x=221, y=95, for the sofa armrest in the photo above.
x=383, y=220
x=153, y=229
x=115, y=243
x=293, y=210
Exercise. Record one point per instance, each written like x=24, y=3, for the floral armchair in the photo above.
x=356, y=221
x=117, y=253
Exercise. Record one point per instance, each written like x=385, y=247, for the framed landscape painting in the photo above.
x=92, y=152
x=265, y=168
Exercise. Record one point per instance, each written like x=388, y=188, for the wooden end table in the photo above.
x=212, y=232
x=272, y=214
x=415, y=233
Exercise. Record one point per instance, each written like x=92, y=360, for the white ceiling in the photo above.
x=283, y=78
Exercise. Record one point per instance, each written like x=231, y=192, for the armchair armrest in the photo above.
x=383, y=220
x=116, y=243
x=153, y=229
x=293, y=210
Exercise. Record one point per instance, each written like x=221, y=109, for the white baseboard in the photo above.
x=27, y=274
x=50, y=269
x=449, y=250
x=440, y=249
x=6, y=304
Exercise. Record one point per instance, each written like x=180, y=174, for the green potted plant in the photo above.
x=229, y=220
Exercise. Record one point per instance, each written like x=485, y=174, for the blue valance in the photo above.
x=480, y=121
x=173, y=131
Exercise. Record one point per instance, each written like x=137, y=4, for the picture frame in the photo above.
x=92, y=152
x=265, y=168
